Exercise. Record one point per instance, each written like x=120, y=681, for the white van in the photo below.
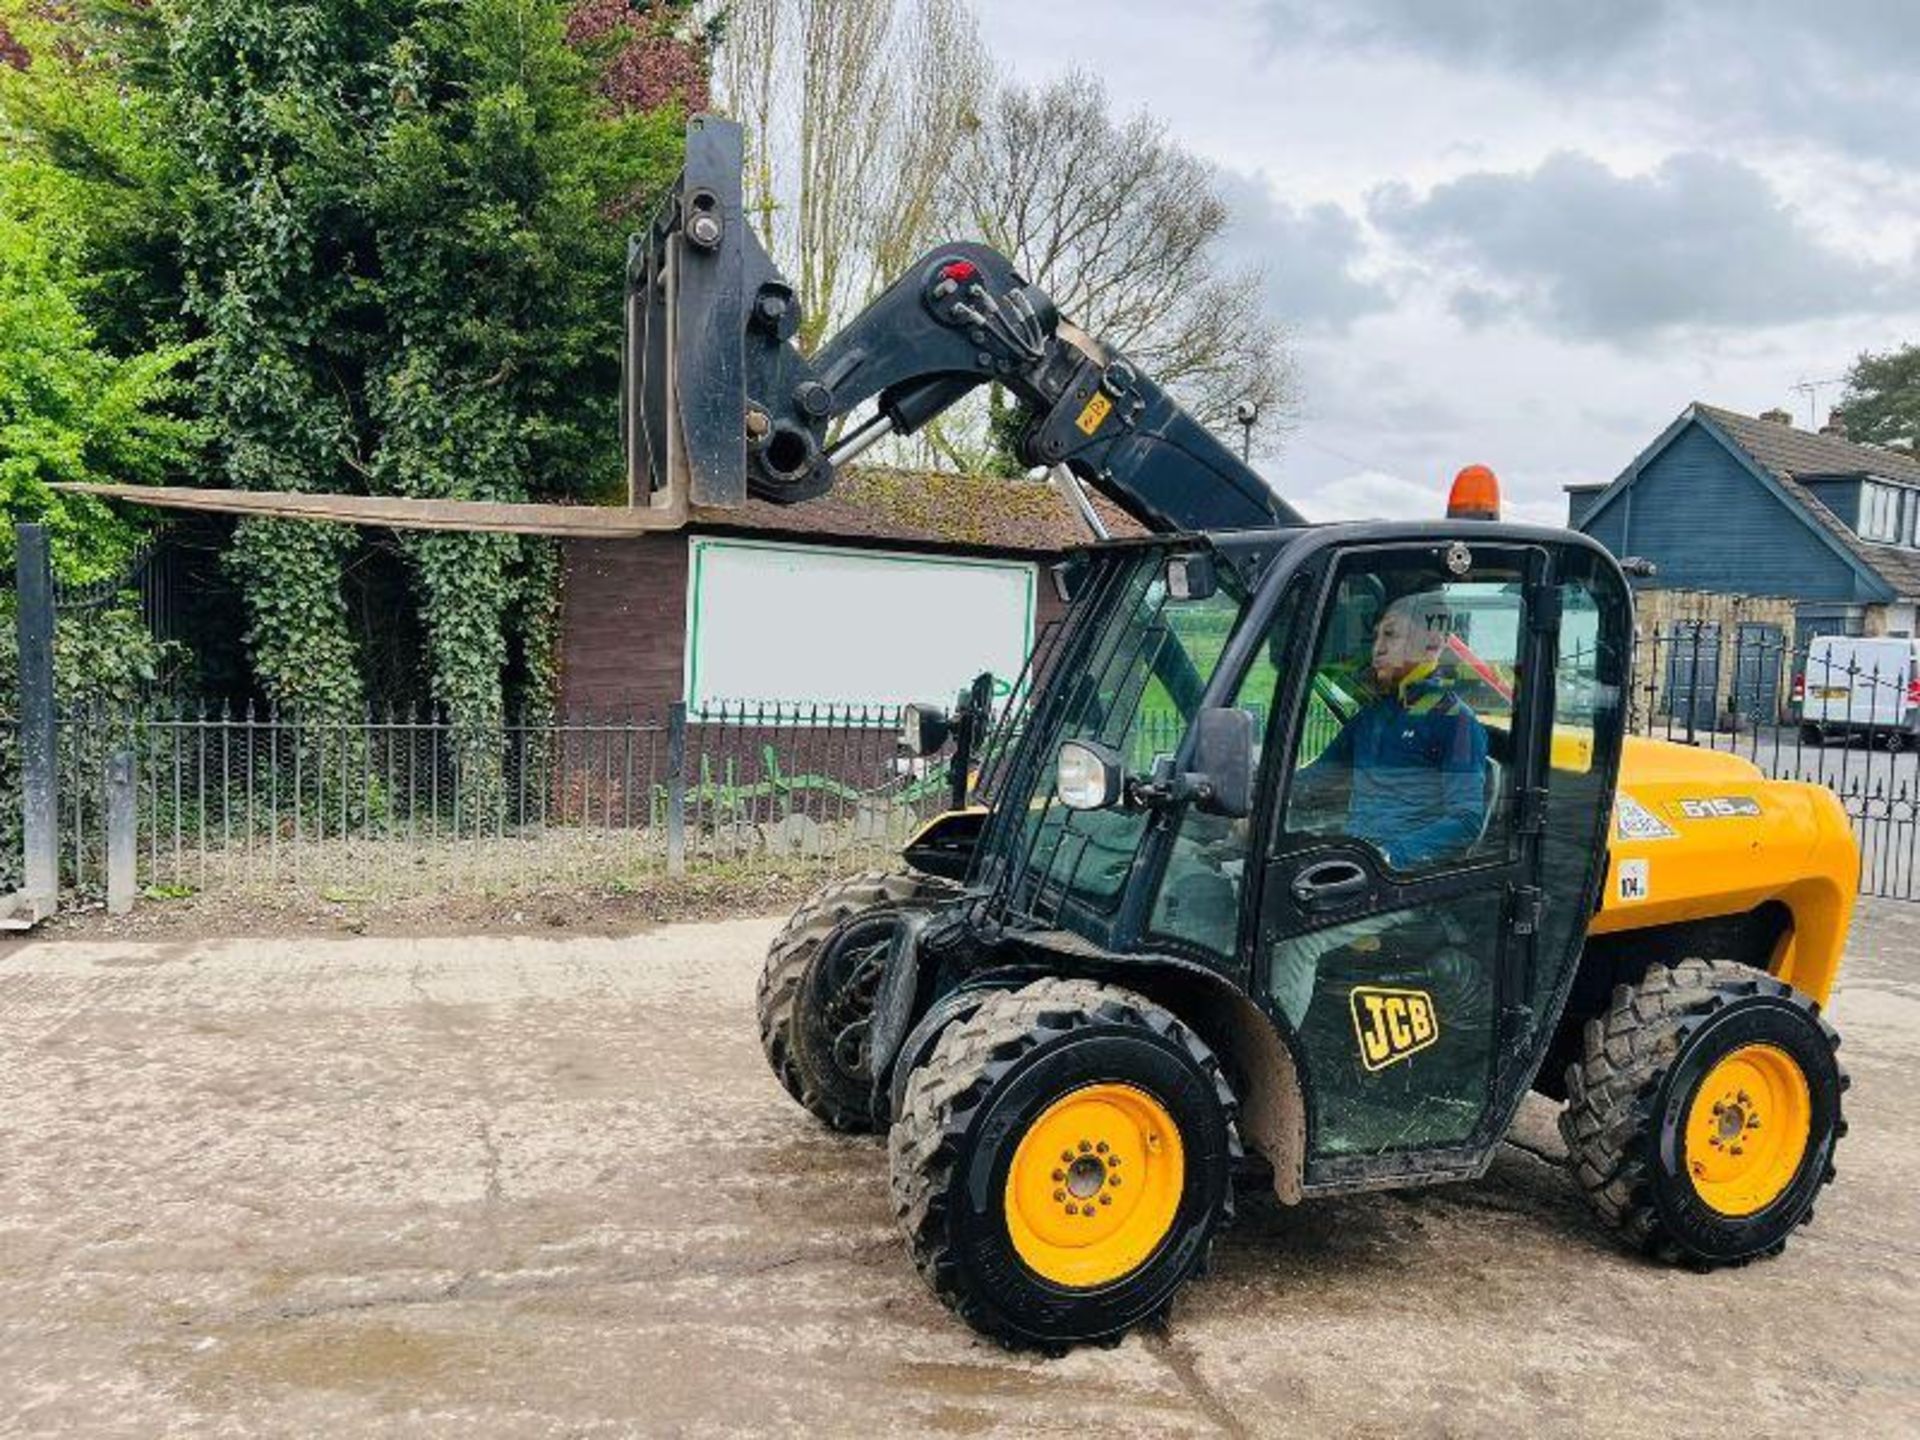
x=1853, y=686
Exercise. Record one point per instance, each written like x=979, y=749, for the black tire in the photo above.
x=847, y=913
x=1628, y=1098
x=952, y=1009
x=968, y=1108
x=1811, y=734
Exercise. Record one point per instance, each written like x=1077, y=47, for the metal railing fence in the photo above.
x=1838, y=713
x=405, y=802
x=398, y=803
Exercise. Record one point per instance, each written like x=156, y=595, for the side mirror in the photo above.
x=1067, y=575
x=924, y=729
x=1223, y=756
x=1192, y=576
x=1088, y=776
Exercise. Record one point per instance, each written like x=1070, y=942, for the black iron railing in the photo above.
x=400, y=802
x=1840, y=712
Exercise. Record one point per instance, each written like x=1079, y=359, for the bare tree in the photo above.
x=1121, y=226
x=855, y=110
x=876, y=128
x=749, y=83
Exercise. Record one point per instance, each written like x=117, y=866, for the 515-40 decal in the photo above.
x=1720, y=807
x=1634, y=821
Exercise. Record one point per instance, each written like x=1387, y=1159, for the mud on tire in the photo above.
x=780, y=999
x=968, y=1107
x=1643, y=1065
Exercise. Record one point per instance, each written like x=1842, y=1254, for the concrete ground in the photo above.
x=510, y=1187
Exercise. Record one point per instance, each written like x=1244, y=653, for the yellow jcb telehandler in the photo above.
x=1310, y=847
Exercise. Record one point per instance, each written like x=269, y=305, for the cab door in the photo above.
x=1402, y=876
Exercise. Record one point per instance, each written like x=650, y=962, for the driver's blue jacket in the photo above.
x=1418, y=762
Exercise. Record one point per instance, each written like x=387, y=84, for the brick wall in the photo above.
x=1660, y=615
x=1887, y=620
x=623, y=623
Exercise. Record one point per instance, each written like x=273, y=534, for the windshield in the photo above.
x=1135, y=686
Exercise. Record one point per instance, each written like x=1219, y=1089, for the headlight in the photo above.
x=1087, y=776
x=924, y=729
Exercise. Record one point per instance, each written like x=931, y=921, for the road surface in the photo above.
x=530, y=1187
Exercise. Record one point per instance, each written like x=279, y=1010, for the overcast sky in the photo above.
x=1530, y=232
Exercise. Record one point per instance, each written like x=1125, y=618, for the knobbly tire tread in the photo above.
x=1612, y=1090
x=924, y=1144
x=777, y=994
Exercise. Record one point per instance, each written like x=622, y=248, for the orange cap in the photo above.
x=1475, y=495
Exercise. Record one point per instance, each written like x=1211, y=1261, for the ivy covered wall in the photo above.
x=362, y=245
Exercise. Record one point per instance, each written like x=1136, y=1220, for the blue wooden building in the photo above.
x=1733, y=504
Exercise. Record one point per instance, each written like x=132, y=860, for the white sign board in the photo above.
x=794, y=627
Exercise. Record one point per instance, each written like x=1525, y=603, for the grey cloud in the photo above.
x=1546, y=36
x=1305, y=255
x=1477, y=307
x=1700, y=242
x=1837, y=75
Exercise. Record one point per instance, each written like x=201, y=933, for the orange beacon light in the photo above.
x=1475, y=495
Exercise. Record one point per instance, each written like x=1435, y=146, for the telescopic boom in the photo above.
x=720, y=401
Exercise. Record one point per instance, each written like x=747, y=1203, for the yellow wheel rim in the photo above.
x=1095, y=1185
x=1747, y=1129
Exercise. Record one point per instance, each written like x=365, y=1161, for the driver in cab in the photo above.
x=1413, y=762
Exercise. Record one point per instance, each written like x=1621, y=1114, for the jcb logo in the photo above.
x=1392, y=1024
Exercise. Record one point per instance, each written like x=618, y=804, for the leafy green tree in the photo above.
x=86, y=393
x=271, y=105
x=71, y=411
x=104, y=179
x=492, y=214
x=1882, y=400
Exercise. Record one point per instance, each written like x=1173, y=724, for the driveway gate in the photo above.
x=1756, y=672
x=1693, y=673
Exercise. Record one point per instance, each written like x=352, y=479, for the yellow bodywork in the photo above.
x=945, y=820
x=1698, y=833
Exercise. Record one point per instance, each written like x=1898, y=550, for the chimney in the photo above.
x=1778, y=417
x=1836, y=425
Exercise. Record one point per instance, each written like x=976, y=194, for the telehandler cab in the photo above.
x=1311, y=848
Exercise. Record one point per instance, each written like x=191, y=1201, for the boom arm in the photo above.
x=717, y=389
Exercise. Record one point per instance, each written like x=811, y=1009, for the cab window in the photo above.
x=1406, y=746
x=1199, y=898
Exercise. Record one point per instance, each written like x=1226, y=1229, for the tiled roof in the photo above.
x=935, y=508
x=1792, y=456
x=1786, y=449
